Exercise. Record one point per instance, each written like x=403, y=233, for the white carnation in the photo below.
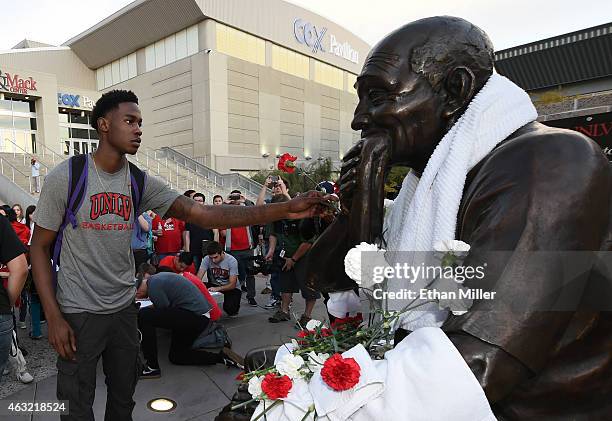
x=457, y=247
x=313, y=324
x=255, y=387
x=316, y=361
x=290, y=366
x=353, y=265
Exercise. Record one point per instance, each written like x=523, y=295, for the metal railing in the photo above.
x=10, y=171
x=25, y=155
x=223, y=181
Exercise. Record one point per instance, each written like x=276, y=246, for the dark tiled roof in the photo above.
x=573, y=57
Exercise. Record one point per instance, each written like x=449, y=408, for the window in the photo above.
x=93, y=134
x=64, y=133
x=241, y=45
x=5, y=104
x=116, y=72
x=6, y=121
x=172, y=48
x=328, y=75
x=79, y=133
x=21, y=107
x=290, y=62
x=79, y=118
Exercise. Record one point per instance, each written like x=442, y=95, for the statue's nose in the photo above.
x=361, y=120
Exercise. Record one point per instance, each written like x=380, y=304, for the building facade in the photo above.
x=231, y=83
x=569, y=79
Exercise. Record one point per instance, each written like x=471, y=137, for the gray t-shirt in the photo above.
x=173, y=290
x=97, y=265
x=221, y=272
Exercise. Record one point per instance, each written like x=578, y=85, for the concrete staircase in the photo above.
x=180, y=172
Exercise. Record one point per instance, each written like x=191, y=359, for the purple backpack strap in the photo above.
x=77, y=187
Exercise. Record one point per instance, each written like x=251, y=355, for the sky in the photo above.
x=508, y=23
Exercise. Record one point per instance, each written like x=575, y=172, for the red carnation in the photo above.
x=340, y=373
x=325, y=332
x=276, y=387
x=285, y=163
x=240, y=376
x=347, y=322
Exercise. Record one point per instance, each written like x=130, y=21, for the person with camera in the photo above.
x=279, y=186
x=239, y=242
x=287, y=248
x=221, y=270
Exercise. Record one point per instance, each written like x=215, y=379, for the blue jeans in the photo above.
x=275, y=285
x=6, y=336
x=35, y=313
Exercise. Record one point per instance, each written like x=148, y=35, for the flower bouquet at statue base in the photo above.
x=330, y=372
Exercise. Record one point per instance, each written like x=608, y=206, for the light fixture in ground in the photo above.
x=161, y=405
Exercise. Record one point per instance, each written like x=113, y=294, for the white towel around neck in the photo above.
x=425, y=210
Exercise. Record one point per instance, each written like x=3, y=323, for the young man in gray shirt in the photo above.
x=91, y=311
x=221, y=270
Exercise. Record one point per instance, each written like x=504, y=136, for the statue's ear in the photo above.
x=460, y=85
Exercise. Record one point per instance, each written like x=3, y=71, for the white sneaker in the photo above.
x=6, y=371
x=22, y=325
x=25, y=377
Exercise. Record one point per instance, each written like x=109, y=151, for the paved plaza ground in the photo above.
x=199, y=391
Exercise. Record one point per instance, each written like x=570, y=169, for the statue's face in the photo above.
x=401, y=103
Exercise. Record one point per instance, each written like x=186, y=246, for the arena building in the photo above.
x=569, y=79
x=230, y=83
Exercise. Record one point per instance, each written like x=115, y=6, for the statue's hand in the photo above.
x=349, y=176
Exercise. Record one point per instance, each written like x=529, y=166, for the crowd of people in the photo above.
x=110, y=255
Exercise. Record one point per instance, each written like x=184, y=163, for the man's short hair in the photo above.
x=217, y=195
x=144, y=268
x=435, y=57
x=186, y=258
x=189, y=192
x=110, y=101
x=235, y=191
x=199, y=195
x=10, y=213
x=213, y=248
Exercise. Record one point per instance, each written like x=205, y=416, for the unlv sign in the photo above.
x=598, y=127
x=14, y=83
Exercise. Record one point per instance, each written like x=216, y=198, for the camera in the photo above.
x=273, y=180
x=234, y=196
x=261, y=265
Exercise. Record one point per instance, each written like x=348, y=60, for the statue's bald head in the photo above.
x=434, y=46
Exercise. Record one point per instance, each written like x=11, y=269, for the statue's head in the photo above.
x=417, y=82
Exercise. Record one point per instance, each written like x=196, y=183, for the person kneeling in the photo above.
x=222, y=272
x=178, y=306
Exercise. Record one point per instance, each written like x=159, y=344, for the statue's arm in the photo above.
x=538, y=203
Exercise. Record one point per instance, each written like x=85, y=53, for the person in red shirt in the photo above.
x=179, y=264
x=169, y=233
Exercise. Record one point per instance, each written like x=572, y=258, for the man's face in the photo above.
x=395, y=101
x=199, y=199
x=124, y=127
x=216, y=258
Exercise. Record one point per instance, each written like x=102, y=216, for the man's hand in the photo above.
x=61, y=337
x=348, y=175
x=289, y=263
x=308, y=205
x=269, y=257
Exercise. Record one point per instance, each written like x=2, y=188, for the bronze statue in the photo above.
x=540, y=189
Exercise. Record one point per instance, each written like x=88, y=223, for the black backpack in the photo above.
x=77, y=188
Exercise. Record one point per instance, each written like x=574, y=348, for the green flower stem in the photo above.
x=276, y=402
x=243, y=404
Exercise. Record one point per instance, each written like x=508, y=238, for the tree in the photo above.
x=305, y=177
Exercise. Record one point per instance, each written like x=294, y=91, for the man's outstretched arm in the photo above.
x=207, y=216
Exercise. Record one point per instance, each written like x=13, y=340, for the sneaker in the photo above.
x=252, y=302
x=231, y=316
x=6, y=371
x=243, y=288
x=272, y=303
x=22, y=325
x=150, y=373
x=231, y=359
x=266, y=290
x=35, y=337
x=42, y=322
x=301, y=324
x=279, y=316
x=25, y=377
